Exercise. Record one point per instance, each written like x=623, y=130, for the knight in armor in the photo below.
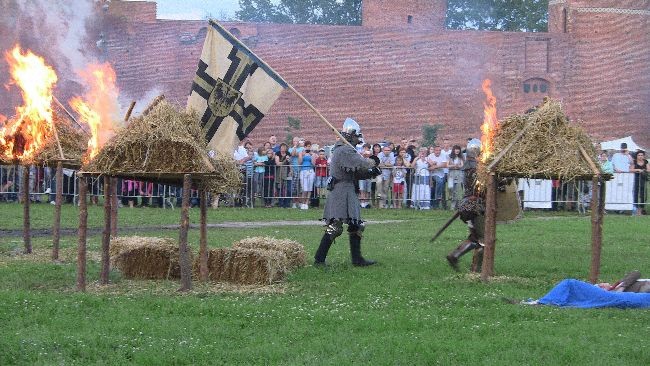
x=342, y=205
x=471, y=208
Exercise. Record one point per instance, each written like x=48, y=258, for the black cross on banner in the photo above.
x=224, y=97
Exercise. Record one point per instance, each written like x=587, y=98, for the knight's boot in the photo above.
x=355, y=252
x=462, y=249
x=323, y=248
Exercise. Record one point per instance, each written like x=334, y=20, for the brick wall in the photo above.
x=135, y=11
x=609, y=77
x=428, y=14
x=394, y=79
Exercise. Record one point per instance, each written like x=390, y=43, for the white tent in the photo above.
x=616, y=144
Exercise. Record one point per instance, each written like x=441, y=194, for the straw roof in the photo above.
x=549, y=148
x=74, y=143
x=162, y=145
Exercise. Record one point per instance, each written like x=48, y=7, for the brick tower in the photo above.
x=417, y=14
x=609, y=73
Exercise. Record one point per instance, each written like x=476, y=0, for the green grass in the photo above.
x=409, y=309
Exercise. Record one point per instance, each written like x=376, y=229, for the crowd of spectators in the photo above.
x=295, y=176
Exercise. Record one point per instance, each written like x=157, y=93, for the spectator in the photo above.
x=258, y=178
x=294, y=151
x=306, y=161
x=374, y=182
x=269, y=178
x=438, y=163
x=407, y=176
x=421, y=192
x=622, y=160
x=274, y=144
x=243, y=157
x=365, y=185
x=399, y=175
x=283, y=173
x=386, y=163
x=640, y=169
x=321, y=174
x=606, y=166
x=456, y=177
x=130, y=190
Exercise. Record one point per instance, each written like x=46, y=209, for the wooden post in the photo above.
x=83, y=228
x=203, y=241
x=58, y=200
x=27, y=235
x=184, y=255
x=106, y=234
x=597, y=207
x=114, y=205
x=490, y=227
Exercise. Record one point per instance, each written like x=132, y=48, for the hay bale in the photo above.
x=294, y=251
x=146, y=258
x=246, y=266
x=549, y=148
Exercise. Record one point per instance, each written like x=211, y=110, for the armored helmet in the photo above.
x=351, y=127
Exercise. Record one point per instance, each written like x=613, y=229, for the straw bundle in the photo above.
x=549, y=148
x=246, y=266
x=294, y=251
x=146, y=258
x=227, y=177
x=165, y=140
x=74, y=142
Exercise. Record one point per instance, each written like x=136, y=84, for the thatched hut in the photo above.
x=541, y=144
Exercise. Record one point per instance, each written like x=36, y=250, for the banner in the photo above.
x=232, y=90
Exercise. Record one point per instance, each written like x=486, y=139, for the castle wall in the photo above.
x=394, y=79
x=422, y=14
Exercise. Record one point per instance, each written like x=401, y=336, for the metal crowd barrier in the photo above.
x=259, y=190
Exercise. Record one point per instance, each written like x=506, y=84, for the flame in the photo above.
x=22, y=135
x=99, y=105
x=490, y=121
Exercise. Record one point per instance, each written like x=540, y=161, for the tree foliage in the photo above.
x=498, y=15
x=341, y=12
x=430, y=134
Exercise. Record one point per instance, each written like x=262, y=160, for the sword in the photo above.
x=446, y=225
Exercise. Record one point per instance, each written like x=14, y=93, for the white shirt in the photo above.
x=446, y=153
x=441, y=159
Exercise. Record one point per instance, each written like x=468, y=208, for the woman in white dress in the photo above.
x=421, y=191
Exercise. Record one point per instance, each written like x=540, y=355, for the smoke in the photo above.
x=58, y=28
x=142, y=103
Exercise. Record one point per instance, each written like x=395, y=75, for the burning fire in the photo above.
x=490, y=121
x=99, y=105
x=32, y=125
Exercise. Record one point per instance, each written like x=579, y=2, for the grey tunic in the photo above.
x=346, y=167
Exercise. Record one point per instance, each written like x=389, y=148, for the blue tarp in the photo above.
x=578, y=294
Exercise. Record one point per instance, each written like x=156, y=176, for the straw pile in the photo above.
x=146, y=258
x=246, y=266
x=549, y=148
x=74, y=142
x=165, y=141
x=294, y=251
